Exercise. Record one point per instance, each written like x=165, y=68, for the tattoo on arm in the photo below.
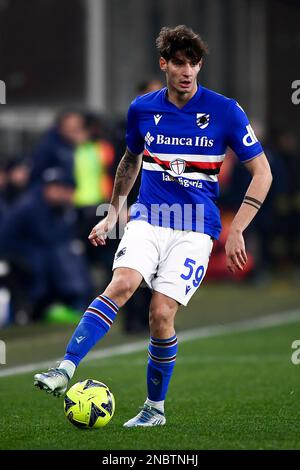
x=252, y=202
x=127, y=163
x=126, y=171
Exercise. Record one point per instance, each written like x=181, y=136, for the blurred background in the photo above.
x=71, y=70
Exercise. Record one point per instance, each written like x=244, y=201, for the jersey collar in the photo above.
x=187, y=105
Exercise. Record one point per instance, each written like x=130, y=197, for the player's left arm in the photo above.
x=257, y=191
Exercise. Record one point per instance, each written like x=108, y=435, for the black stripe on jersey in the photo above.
x=151, y=160
x=189, y=169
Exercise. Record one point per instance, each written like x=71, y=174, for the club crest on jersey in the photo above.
x=202, y=120
x=177, y=166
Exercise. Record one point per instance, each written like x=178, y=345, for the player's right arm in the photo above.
x=126, y=174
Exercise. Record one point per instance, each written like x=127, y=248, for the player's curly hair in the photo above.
x=181, y=38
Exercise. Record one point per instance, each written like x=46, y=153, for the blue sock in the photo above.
x=162, y=357
x=94, y=324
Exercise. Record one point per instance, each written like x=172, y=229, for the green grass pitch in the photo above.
x=236, y=391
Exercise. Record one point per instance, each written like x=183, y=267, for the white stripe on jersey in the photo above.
x=189, y=176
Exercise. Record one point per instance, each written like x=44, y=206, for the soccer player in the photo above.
x=179, y=136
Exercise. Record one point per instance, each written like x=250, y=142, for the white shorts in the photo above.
x=172, y=262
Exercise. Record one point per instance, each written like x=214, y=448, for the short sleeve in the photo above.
x=240, y=135
x=134, y=139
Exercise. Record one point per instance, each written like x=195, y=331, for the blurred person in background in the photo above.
x=14, y=178
x=94, y=165
x=57, y=146
x=18, y=175
x=148, y=86
x=38, y=238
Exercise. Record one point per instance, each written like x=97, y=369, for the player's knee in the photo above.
x=160, y=317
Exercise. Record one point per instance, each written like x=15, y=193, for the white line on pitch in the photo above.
x=267, y=321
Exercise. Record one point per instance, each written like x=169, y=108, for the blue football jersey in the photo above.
x=183, y=151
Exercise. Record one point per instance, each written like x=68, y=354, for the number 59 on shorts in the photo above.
x=197, y=273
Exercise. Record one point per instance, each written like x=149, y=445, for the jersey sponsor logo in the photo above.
x=202, y=120
x=177, y=166
x=250, y=138
x=182, y=181
x=149, y=138
x=198, y=141
x=157, y=118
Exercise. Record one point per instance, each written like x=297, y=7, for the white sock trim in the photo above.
x=159, y=405
x=69, y=366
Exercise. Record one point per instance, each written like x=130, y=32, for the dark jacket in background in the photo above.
x=52, y=152
x=42, y=240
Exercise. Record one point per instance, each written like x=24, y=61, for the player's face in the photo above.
x=181, y=73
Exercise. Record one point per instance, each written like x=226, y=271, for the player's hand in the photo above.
x=98, y=235
x=235, y=251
